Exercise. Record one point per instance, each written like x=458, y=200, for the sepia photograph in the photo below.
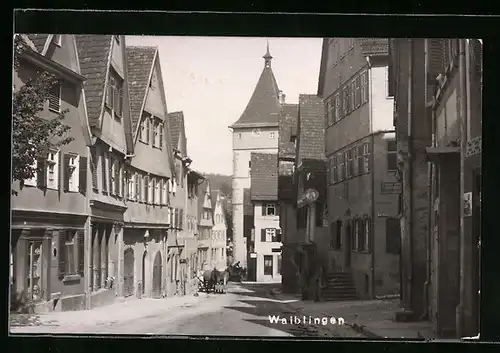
x=246, y=186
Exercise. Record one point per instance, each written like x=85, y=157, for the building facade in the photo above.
x=360, y=147
x=287, y=194
x=50, y=227
x=255, y=131
x=105, y=215
x=205, y=224
x=148, y=175
x=306, y=239
x=219, y=231
x=439, y=81
x=266, y=240
x=182, y=246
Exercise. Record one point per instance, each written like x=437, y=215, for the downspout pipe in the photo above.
x=463, y=144
x=410, y=171
x=372, y=180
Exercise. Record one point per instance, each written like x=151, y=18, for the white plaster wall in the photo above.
x=382, y=104
x=265, y=248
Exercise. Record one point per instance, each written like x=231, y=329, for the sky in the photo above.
x=211, y=79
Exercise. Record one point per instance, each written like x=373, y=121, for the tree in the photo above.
x=32, y=136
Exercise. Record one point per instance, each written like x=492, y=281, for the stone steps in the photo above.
x=340, y=287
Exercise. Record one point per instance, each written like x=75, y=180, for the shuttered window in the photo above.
x=55, y=98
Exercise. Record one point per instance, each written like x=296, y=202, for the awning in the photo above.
x=436, y=154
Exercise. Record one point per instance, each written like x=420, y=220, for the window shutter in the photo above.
x=62, y=253
x=82, y=170
x=111, y=175
x=41, y=173
x=119, y=104
x=145, y=189
x=153, y=193
x=160, y=193
x=263, y=210
x=161, y=135
x=277, y=209
x=103, y=173
x=81, y=252
x=181, y=218
x=370, y=235
x=137, y=187
x=278, y=235
x=93, y=167
x=263, y=235
x=109, y=93
x=54, y=97
x=117, y=178
x=66, y=175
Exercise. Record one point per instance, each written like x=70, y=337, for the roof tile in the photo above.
x=93, y=53
x=140, y=60
x=264, y=176
x=264, y=106
x=176, y=125
x=311, y=128
x=287, y=127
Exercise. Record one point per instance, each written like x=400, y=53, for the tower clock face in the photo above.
x=256, y=132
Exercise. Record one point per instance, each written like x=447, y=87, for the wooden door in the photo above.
x=157, y=276
x=128, y=272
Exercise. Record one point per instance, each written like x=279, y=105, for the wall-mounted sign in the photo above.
x=467, y=204
x=253, y=255
x=311, y=195
x=276, y=250
x=391, y=188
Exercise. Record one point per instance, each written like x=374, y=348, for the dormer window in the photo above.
x=114, y=94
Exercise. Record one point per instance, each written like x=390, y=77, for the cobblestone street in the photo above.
x=244, y=311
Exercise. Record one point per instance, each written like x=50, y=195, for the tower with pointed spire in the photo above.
x=255, y=131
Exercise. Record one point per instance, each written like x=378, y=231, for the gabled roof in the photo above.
x=93, y=53
x=38, y=40
x=177, y=128
x=287, y=128
x=202, y=190
x=213, y=197
x=140, y=63
x=263, y=106
x=264, y=177
x=311, y=128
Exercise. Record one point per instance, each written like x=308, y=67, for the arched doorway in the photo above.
x=143, y=273
x=128, y=272
x=157, y=276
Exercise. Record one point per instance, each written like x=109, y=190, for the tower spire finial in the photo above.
x=267, y=57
